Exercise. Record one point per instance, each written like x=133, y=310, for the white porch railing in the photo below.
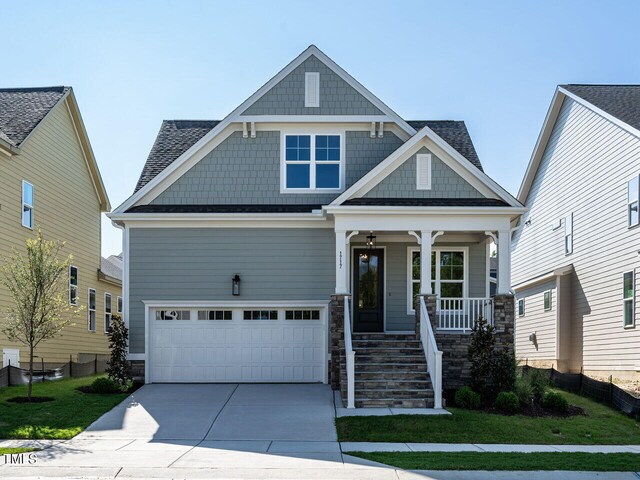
x=432, y=354
x=461, y=313
x=351, y=356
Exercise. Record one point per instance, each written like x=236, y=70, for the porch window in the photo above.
x=448, y=279
x=633, y=201
x=312, y=162
x=628, y=299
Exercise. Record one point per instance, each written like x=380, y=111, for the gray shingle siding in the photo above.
x=299, y=266
x=337, y=97
x=247, y=171
x=445, y=183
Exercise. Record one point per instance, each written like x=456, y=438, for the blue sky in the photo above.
x=493, y=64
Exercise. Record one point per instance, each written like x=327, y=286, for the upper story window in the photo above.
x=568, y=234
x=312, y=163
x=73, y=285
x=27, y=204
x=633, y=201
x=628, y=298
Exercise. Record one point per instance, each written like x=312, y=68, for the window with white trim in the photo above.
x=568, y=234
x=423, y=173
x=107, y=312
x=521, y=307
x=119, y=305
x=633, y=202
x=91, y=310
x=312, y=163
x=448, y=273
x=27, y=204
x=547, y=300
x=628, y=299
x=73, y=285
x=312, y=89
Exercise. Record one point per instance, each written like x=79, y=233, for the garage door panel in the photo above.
x=236, y=350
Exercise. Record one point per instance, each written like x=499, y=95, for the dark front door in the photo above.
x=368, y=290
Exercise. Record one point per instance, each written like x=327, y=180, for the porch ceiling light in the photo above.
x=371, y=241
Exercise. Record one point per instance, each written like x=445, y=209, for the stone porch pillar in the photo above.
x=336, y=319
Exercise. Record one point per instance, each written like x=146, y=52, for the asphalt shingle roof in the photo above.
x=428, y=202
x=621, y=101
x=224, y=208
x=112, y=266
x=177, y=136
x=22, y=109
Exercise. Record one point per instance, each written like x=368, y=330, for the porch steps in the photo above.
x=391, y=371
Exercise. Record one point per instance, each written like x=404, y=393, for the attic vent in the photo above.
x=312, y=89
x=423, y=175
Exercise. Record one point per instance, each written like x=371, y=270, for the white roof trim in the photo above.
x=460, y=164
x=235, y=115
x=547, y=127
x=545, y=277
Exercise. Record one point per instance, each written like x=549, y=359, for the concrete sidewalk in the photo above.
x=482, y=447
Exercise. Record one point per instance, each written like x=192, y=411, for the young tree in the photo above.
x=118, y=367
x=480, y=354
x=37, y=284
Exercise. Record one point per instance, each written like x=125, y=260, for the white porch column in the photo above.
x=342, y=264
x=425, y=262
x=504, y=262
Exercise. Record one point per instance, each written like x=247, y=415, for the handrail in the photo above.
x=350, y=355
x=432, y=354
x=461, y=313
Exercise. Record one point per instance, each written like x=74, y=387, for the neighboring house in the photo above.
x=49, y=179
x=245, y=236
x=576, y=256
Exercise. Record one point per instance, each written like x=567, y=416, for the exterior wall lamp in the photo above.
x=371, y=241
x=235, y=289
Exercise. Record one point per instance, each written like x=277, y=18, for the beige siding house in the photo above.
x=576, y=255
x=49, y=179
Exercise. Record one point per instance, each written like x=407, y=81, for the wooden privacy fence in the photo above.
x=10, y=375
x=603, y=392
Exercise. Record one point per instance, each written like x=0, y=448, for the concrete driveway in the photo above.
x=209, y=431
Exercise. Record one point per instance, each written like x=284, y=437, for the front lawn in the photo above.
x=67, y=415
x=594, y=462
x=602, y=425
x=9, y=451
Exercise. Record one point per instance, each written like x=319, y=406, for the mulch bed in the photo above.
x=33, y=399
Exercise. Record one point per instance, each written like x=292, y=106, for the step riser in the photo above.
x=393, y=385
x=394, y=403
x=375, y=344
x=392, y=376
x=391, y=359
x=382, y=336
x=391, y=367
x=412, y=352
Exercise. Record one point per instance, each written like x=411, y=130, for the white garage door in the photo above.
x=218, y=344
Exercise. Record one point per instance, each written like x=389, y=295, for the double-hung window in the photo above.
x=73, y=285
x=107, y=312
x=633, y=201
x=568, y=234
x=312, y=163
x=27, y=204
x=119, y=305
x=91, y=310
x=547, y=300
x=521, y=307
x=628, y=299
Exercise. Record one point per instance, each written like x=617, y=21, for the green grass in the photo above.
x=602, y=425
x=66, y=416
x=8, y=451
x=594, y=462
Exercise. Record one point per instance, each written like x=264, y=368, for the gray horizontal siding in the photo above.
x=445, y=183
x=198, y=264
x=247, y=171
x=337, y=97
x=584, y=170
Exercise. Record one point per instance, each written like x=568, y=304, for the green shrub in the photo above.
x=104, y=385
x=504, y=371
x=556, y=402
x=480, y=354
x=507, y=402
x=118, y=369
x=539, y=381
x=467, y=398
x=523, y=391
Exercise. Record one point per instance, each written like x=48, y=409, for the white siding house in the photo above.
x=579, y=240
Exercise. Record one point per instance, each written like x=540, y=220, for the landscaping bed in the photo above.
x=594, y=462
x=599, y=425
x=69, y=413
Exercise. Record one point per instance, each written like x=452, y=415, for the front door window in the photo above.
x=367, y=281
x=368, y=290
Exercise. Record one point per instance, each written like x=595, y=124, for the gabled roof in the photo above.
x=22, y=109
x=177, y=136
x=112, y=266
x=620, y=104
x=174, y=138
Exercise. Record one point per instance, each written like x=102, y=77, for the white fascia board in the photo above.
x=234, y=303
x=216, y=216
x=460, y=164
x=236, y=113
x=314, y=118
x=545, y=277
x=392, y=221
x=403, y=210
x=7, y=149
